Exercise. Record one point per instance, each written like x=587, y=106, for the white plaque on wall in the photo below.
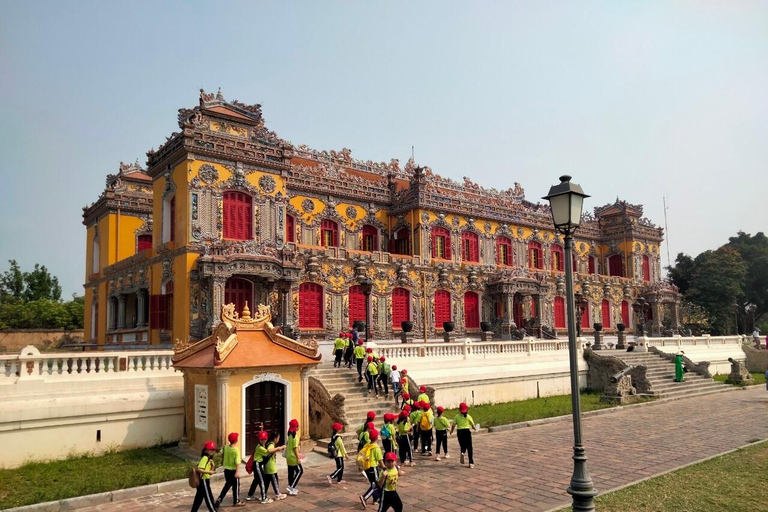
x=201, y=407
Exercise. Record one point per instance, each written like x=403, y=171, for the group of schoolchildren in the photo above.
x=262, y=464
x=376, y=371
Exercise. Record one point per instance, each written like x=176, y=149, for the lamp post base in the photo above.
x=581, y=489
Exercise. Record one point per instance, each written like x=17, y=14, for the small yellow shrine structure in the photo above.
x=244, y=378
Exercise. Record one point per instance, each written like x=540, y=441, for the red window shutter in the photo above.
x=518, y=314
x=534, y=255
x=646, y=269
x=356, y=304
x=625, y=312
x=585, y=318
x=401, y=311
x=591, y=264
x=560, y=312
x=310, y=306
x=615, y=265
x=448, y=252
x=606, y=307
x=290, y=229
x=434, y=243
x=144, y=242
x=154, y=311
x=471, y=310
x=442, y=303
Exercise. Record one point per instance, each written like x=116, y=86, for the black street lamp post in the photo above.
x=566, y=201
x=367, y=285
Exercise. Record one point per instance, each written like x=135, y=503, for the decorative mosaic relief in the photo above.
x=208, y=174
x=267, y=184
x=308, y=206
x=351, y=212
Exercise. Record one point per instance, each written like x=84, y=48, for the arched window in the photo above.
x=95, y=321
x=168, y=231
x=558, y=260
x=290, y=228
x=517, y=312
x=470, y=250
x=310, y=306
x=356, y=304
x=606, y=307
x=471, y=311
x=442, y=304
x=237, y=291
x=503, y=251
x=646, y=269
x=329, y=233
x=96, y=250
x=535, y=260
x=625, y=313
x=615, y=267
x=401, y=310
x=238, y=216
x=559, y=313
x=370, y=238
x=143, y=242
x=441, y=243
x=400, y=243
x=591, y=264
x=585, y=318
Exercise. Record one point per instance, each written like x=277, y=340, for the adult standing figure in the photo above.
x=205, y=469
x=679, y=366
x=756, y=337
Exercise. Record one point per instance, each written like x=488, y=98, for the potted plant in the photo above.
x=598, y=326
x=407, y=325
x=448, y=326
x=485, y=326
x=621, y=327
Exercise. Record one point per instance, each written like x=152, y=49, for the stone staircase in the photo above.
x=357, y=404
x=661, y=374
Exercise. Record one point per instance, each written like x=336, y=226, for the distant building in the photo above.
x=228, y=212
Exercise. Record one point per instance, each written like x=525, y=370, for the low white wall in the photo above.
x=51, y=410
x=715, y=349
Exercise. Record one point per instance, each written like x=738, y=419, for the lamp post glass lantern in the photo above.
x=566, y=201
x=367, y=285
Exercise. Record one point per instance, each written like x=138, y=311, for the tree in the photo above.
x=12, y=283
x=681, y=275
x=40, y=284
x=754, y=252
x=718, y=284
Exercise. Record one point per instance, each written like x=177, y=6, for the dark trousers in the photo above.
x=337, y=361
x=275, y=483
x=384, y=379
x=203, y=494
x=465, y=442
x=294, y=475
x=442, y=440
x=373, y=475
x=426, y=441
x=231, y=482
x=359, y=363
x=404, y=447
x=387, y=444
x=339, y=473
x=258, y=481
x=416, y=436
x=372, y=383
x=348, y=358
x=390, y=499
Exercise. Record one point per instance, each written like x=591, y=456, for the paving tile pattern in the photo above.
x=529, y=469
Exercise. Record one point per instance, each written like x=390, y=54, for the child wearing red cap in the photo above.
x=350, y=350
x=404, y=429
x=270, y=465
x=415, y=419
x=394, y=379
x=406, y=400
x=426, y=422
x=374, y=462
x=388, y=433
x=230, y=462
x=384, y=370
x=373, y=376
x=464, y=422
x=363, y=429
x=423, y=397
x=339, y=454
x=293, y=457
x=338, y=349
x=441, y=433
x=205, y=469
x=258, y=470
x=388, y=484
x=359, y=356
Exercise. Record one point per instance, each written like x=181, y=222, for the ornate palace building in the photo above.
x=227, y=212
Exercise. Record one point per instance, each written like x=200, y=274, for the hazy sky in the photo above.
x=633, y=99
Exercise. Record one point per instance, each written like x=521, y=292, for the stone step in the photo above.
x=724, y=388
x=685, y=385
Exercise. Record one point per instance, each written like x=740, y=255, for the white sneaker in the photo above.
x=446, y=456
x=471, y=466
x=281, y=496
x=292, y=491
x=437, y=458
x=330, y=480
x=267, y=500
x=251, y=498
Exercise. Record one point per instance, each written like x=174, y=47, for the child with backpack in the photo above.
x=204, y=469
x=349, y=352
x=293, y=458
x=464, y=422
x=339, y=344
x=423, y=397
x=373, y=376
x=441, y=433
x=338, y=452
x=404, y=429
x=230, y=462
x=359, y=356
x=364, y=437
x=365, y=427
x=370, y=460
x=384, y=370
x=388, y=433
x=415, y=419
x=425, y=427
x=388, y=484
x=406, y=400
x=259, y=480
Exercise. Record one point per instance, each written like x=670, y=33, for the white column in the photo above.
x=304, y=403
x=222, y=403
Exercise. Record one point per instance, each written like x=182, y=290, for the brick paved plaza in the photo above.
x=529, y=469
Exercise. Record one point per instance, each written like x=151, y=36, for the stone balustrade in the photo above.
x=469, y=349
x=30, y=364
x=686, y=341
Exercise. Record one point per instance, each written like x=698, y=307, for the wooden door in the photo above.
x=264, y=410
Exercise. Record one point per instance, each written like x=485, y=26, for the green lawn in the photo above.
x=531, y=409
x=757, y=378
x=38, y=482
x=733, y=482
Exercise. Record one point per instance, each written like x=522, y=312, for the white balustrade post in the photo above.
x=708, y=339
x=530, y=345
x=29, y=361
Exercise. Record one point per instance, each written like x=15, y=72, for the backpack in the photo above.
x=332, y=447
x=194, y=477
x=363, y=459
x=425, y=424
x=386, y=368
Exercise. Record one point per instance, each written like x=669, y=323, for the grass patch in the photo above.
x=532, y=409
x=728, y=483
x=78, y=475
x=757, y=378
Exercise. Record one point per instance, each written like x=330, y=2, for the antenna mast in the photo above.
x=666, y=229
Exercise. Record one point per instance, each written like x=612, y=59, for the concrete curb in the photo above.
x=107, y=497
x=630, y=484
